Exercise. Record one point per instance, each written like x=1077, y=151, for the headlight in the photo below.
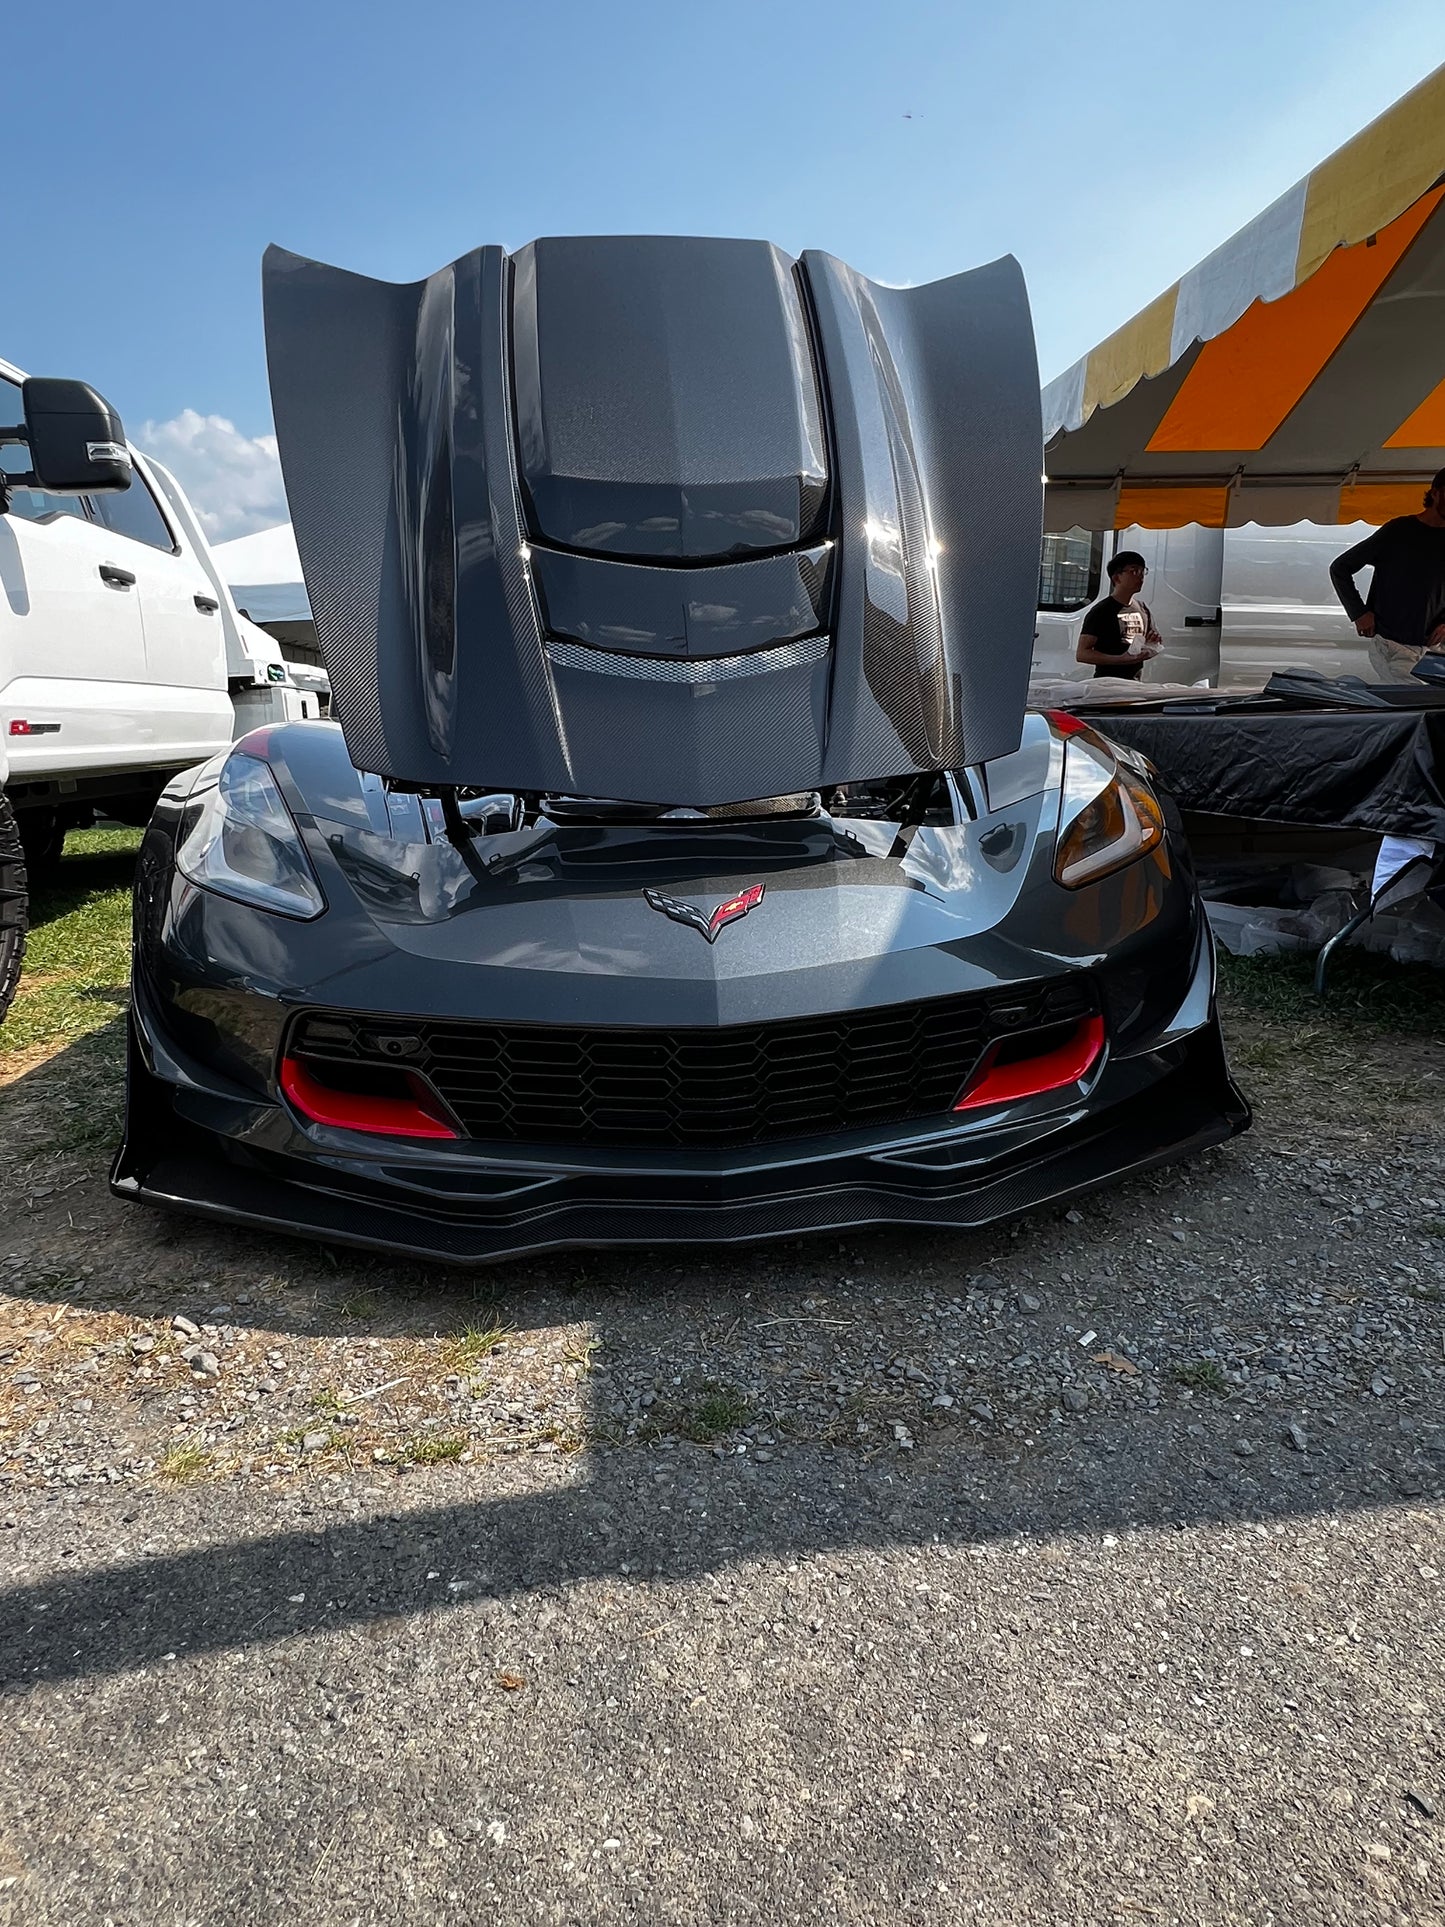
x=240, y=841
x=1108, y=817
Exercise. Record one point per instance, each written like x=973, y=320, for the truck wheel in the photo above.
x=14, y=905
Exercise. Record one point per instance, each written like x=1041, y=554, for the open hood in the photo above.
x=672, y=520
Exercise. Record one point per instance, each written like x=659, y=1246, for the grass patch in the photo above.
x=361, y=1306
x=77, y=961
x=1201, y=1375
x=466, y=1349
x=1363, y=990
x=1266, y=1054
x=91, y=1113
x=298, y=1435
x=430, y=1448
x=184, y=1464
x=329, y=1403
x=721, y=1409
x=581, y=1352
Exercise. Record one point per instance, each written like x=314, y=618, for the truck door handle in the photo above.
x=118, y=578
x=206, y=604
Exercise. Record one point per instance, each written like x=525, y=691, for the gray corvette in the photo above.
x=684, y=865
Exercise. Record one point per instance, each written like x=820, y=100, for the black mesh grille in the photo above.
x=693, y=1089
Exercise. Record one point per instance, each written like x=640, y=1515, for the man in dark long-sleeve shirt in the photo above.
x=1404, y=614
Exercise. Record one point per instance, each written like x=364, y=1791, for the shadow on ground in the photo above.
x=644, y=1517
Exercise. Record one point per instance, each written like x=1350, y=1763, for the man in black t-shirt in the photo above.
x=1405, y=612
x=1118, y=634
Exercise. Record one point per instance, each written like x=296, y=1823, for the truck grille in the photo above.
x=689, y=1089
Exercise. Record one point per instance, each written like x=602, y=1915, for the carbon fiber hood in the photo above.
x=679, y=521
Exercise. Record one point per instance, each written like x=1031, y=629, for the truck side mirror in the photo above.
x=77, y=443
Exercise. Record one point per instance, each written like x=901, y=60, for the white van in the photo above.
x=1233, y=605
x=123, y=657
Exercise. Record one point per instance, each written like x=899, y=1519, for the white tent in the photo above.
x=1294, y=374
x=264, y=574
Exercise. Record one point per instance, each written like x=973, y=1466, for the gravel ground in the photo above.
x=1086, y=1569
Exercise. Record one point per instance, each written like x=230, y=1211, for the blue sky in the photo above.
x=152, y=152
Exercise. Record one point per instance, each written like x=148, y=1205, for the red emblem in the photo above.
x=698, y=919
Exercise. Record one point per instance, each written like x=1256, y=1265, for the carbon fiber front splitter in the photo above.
x=1180, y=1103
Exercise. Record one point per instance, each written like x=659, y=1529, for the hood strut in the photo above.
x=459, y=831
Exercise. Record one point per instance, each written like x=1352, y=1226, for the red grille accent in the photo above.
x=1051, y=1070
x=416, y=1116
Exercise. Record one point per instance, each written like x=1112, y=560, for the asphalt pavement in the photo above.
x=1097, y=1683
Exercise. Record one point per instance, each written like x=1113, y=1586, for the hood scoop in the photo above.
x=666, y=400
x=679, y=521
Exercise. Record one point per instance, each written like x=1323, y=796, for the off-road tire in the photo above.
x=14, y=905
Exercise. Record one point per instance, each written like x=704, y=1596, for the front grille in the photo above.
x=691, y=1089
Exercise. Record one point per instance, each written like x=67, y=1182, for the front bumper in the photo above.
x=195, y=1145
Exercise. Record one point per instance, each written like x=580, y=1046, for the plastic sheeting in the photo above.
x=1366, y=770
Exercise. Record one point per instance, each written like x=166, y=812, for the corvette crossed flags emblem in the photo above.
x=698, y=919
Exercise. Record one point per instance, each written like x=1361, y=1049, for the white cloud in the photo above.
x=233, y=480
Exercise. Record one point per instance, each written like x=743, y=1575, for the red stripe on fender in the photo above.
x=1030, y=1076
x=354, y=1111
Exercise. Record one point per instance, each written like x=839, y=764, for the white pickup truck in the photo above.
x=123, y=657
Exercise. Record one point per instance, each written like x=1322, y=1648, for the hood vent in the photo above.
x=666, y=401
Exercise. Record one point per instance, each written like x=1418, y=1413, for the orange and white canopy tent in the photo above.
x=1297, y=374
